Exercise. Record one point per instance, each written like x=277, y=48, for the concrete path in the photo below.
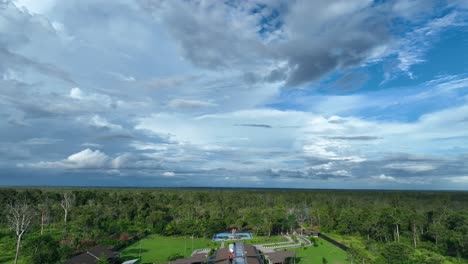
x=272, y=247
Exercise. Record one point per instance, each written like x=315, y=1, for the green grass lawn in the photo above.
x=156, y=249
x=266, y=239
x=315, y=254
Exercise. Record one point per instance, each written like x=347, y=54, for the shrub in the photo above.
x=174, y=257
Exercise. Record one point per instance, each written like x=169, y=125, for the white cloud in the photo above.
x=93, y=99
x=185, y=64
x=340, y=142
x=383, y=177
x=411, y=167
x=187, y=104
x=85, y=159
x=168, y=174
x=122, y=77
x=148, y=146
x=97, y=121
x=35, y=6
x=120, y=161
x=458, y=179
x=76, y=93
x=91, y=145
x=415, y=44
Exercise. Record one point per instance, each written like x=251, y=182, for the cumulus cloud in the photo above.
x=168, y=174
x=85, y=159
x=338, y=34
x=92, y=99
x=205, y=92
x=383, y=177
x=99, y=122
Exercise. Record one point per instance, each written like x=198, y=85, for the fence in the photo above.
x=334, y=242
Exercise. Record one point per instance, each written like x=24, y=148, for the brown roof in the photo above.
x=280, y=256
x=92, y=256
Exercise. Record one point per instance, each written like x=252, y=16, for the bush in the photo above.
x=396, y=253
x=427, y=257
x=42, y=249
x=174, y=257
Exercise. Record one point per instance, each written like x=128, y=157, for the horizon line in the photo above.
x=224, y=188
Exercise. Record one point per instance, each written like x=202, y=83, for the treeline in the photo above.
x=435, y=222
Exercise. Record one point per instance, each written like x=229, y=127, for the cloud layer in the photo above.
x=333, y=94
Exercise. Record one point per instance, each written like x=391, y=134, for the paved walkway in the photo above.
x=272, y=247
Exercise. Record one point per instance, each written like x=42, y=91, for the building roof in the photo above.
x=251, y=255
x=92, y=256
x=280, y=256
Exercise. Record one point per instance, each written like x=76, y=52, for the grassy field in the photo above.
x=266, y=239
x=315, y=254
x=156, y=249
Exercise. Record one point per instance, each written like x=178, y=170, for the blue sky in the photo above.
x=297, y=94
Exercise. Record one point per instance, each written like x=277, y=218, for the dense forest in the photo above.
x=393, y=226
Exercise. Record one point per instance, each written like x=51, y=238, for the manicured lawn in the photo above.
x=266, y=239
x=315, y=254
x=156, y=249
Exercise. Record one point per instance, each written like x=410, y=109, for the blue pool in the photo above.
x=229, y=236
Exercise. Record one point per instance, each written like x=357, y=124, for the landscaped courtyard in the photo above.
x=157, y=249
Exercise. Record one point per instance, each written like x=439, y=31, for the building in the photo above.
x=243, y=254
x=93, y=255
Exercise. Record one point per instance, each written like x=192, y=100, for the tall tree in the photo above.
x=19, y=219
x=44, y=212
x=67, y=203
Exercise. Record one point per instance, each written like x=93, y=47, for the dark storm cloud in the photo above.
x=335, y=35
x=201, y=30
x=254, y=125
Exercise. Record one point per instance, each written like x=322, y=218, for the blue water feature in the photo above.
x=229, y=236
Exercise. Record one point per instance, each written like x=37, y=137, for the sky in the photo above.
x=244, y=93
